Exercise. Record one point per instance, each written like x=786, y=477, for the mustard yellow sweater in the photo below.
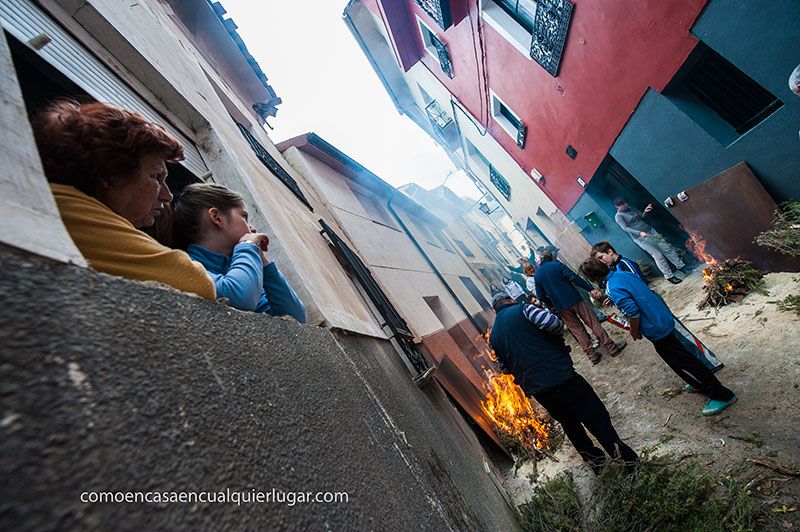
x=112, y=245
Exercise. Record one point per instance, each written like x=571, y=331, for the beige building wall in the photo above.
x=391, y=256
x=145, y=45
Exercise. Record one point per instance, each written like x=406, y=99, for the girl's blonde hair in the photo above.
x=192, y=203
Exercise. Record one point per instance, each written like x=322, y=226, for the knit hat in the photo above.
x=497, y=297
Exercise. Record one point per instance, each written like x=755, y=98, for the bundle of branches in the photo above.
x=729, y=281
x=784, y=236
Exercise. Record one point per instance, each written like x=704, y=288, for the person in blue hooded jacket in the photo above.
x=528, y=341
x=211, y=222
x=649, y=316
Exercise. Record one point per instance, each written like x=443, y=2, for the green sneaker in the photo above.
x=713, y=408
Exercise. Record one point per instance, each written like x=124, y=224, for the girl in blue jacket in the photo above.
x=211, y=222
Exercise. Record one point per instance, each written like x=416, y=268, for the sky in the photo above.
x=329, y=88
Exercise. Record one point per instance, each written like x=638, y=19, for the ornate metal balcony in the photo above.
x=437, y=115
x=550, y=26
x=439, y=10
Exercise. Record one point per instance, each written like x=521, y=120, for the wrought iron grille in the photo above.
x=439, y=10
x=444, y=56
x=500, y=182
x=521, y=133
x=393, y=320
x=273, y=166
x=550, y=26
x=437, y=115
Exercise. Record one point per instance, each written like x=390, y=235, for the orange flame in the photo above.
x=697, y=247
x=511, y=411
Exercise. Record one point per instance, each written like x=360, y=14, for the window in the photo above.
x=464, y=249
x=508, y=120
x=477, y=159
x=718, y=96
x=513, y=20
x=476, y=293
x=521, y=11
x=435, y=47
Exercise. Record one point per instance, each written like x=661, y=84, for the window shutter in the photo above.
x=500, y=183
x=444, y=56
x=550, y=25
x=24, y=20
x=439, y=10
x=521, y=133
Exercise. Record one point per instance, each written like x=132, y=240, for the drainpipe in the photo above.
x=432, y=265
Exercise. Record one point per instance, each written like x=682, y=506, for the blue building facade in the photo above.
x=675, y=140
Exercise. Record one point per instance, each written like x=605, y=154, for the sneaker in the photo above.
x=674, y=280
x=618, y=348
x=595, y=358
x=690, y=389
x=713, y=408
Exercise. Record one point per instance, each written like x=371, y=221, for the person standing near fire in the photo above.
x=557, y=286
x=650, y=317
x=632, y=222
x=529, y=344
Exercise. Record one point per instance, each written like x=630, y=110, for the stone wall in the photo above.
x=111, y=385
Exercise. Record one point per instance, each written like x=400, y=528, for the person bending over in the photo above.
x=211, y=221
x=650, y=317
x=529, y=344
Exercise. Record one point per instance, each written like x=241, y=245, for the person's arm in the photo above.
x=541, y=293
x=543, y=319
x=575, y=278
x=241, y=284
x=627, y=305
x=283, y=301
x=620, y=219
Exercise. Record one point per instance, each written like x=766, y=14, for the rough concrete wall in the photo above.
x=114, y=385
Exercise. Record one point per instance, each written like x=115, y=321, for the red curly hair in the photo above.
x=82, y=143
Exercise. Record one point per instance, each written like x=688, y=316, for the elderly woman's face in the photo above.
x=141, y=198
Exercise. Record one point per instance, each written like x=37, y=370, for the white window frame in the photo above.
x=504, y=122
x=426, y=41
x=506, y=26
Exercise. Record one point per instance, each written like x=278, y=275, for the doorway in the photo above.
x=612, y=180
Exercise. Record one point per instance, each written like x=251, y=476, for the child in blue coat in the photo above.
x=650, y=317
x=211, y=221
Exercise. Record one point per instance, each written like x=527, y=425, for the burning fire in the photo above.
x=511, y=411
x=697, y=247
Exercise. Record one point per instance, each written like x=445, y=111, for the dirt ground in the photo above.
x=760, y=348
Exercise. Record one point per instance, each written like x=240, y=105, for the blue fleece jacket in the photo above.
x=554, y=285
x=635, y=299
x=247, y=283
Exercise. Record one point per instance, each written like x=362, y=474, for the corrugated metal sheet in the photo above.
x=24, y=20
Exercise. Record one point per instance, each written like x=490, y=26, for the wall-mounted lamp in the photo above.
x=537, y=176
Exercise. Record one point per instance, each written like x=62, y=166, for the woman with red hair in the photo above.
x=107, y=169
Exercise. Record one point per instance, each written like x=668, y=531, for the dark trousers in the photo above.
x=690, y=369
x=575, y=405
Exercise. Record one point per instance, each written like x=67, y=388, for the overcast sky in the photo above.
x=328, y=87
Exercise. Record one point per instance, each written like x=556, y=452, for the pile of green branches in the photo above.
x=661, y=494
x=729, y=281
x=790, y=304
x=784, y=236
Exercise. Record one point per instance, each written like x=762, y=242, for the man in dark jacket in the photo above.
x=529, y=344
x=555, y=287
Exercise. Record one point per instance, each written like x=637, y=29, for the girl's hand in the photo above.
x=259, y=239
